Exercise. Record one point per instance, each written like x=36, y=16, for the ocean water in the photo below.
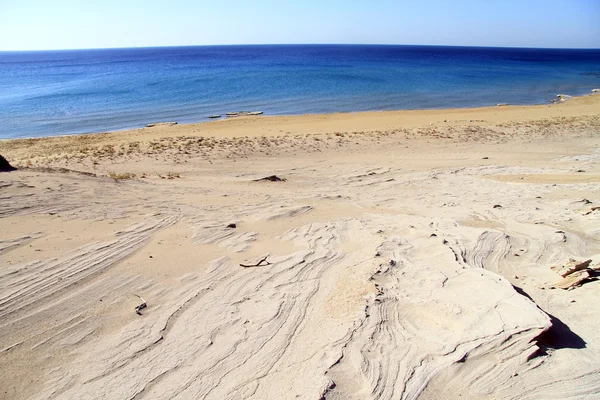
x=76, y=91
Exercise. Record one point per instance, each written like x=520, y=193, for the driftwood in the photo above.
x=263, y=262
x=141, y=306
x=272, y=178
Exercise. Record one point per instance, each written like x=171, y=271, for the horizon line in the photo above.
x=299, y=44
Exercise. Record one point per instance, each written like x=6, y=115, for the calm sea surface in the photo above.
x=64, y=92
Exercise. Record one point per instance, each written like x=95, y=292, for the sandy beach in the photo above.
x=399, y=255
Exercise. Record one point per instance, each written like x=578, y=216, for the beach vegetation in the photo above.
x=121, y=176
x=170, y=175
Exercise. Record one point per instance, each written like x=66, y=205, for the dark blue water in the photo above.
x=63, y=92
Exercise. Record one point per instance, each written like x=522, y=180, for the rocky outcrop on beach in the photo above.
x=575, y=273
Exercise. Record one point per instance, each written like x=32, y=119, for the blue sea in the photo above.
x=63, y=92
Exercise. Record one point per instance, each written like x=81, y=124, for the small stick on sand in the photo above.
x=272, y=178
x=139, y=308
x=258, y=264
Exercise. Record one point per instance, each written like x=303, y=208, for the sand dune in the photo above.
x=413, y=262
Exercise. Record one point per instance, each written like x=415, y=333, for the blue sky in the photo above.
x=68, y=24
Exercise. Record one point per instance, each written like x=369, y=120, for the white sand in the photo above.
x=359, y=299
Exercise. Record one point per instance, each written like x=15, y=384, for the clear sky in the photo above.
x=69, y=24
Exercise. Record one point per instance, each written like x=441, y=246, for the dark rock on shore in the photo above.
x=5, y=165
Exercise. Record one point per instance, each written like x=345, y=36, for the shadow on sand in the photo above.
x=559, y=336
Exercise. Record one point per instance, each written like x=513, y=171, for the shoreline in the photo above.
x=248, y=136
x=424, y=112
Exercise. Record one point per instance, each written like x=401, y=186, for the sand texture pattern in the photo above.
x=412, y=256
